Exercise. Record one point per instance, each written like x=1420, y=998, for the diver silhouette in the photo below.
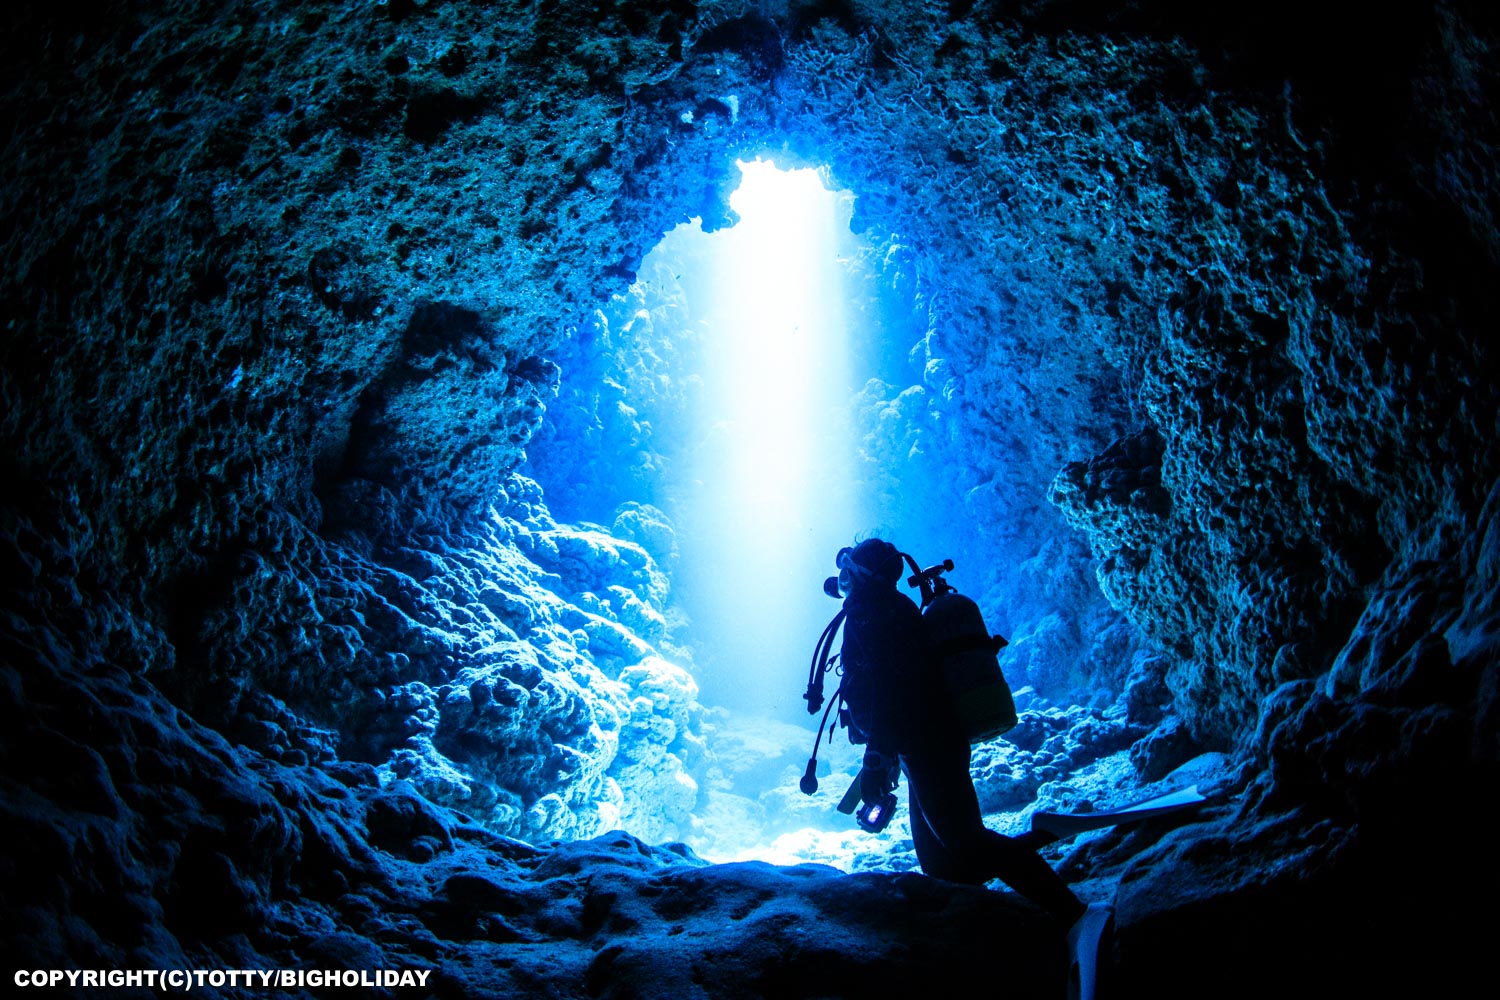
x=909, y=723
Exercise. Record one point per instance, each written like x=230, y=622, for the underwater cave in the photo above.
x=428, y=425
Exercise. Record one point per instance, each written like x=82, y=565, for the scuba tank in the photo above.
x=964, y=654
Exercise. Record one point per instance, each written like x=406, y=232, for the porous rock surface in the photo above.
x=282, y=288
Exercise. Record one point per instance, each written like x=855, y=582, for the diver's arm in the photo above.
x=901, y=649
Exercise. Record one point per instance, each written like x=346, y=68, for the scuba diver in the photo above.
x=898, y=665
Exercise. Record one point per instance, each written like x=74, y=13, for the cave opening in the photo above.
x=762, y=394
x=769, y=482
x=722, y=389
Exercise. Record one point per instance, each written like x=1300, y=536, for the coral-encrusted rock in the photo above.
x=647, y=527
x=1168, y=746
x=1146, y=694
x=451, y=395
x=203, y=855
x=1045, y=746
x=660, y=750
x=595, y=561
x=459, y=666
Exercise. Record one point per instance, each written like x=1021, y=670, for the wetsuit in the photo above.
x=894, y=703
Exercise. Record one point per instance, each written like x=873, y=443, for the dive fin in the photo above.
x=1061, y=825
x=1088, y=950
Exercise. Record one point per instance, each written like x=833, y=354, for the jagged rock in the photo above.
x=1146, y=694
x=1168, y=746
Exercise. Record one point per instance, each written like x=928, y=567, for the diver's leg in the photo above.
x=938, y=776
x=935, y=859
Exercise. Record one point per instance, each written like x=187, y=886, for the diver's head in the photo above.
x=874, y=562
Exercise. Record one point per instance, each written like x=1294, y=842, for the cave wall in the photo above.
x=281, y=285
